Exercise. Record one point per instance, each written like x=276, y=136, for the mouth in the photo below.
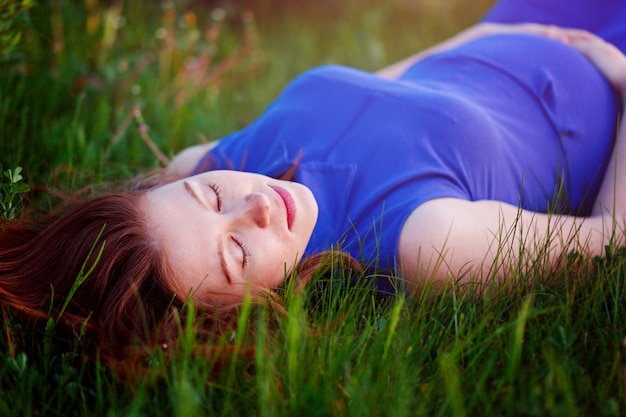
x=290, y=205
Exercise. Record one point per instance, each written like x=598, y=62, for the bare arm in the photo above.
x=186, y=160
x=474, y=32
x=612, y=63
x=451, y=239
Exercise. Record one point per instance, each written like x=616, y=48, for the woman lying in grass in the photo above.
x=445, y=167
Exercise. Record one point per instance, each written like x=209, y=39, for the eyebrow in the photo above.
x=220, y=253
x=195, y=196
x=220, y=245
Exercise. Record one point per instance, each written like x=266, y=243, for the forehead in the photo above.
x=181, y=231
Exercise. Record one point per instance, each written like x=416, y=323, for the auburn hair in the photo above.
x=96, y=266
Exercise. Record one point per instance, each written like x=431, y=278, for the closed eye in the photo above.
x=244, y=250
x=218, y=193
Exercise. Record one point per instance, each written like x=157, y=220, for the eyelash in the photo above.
x=218, y=192
x=244, y=249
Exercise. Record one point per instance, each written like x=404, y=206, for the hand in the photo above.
x=606, y=57
x=609, y=60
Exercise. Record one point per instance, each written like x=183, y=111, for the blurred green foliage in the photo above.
x=10, y=23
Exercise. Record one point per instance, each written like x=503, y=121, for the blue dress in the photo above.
x=515, y=118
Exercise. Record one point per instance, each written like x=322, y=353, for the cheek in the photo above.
x=274, y=256
x=277, y=262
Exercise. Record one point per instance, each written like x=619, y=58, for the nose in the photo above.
x=257, y=209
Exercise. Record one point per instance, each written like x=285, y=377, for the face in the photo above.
x=228, y=232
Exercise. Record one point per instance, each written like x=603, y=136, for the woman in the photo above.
x=446, y=166
x=445, y=191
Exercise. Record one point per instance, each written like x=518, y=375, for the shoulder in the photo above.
x=332, y=71
x=339, y=77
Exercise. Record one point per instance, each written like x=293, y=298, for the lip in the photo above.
x=290, y=204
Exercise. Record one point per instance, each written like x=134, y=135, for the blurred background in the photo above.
x=87, y=85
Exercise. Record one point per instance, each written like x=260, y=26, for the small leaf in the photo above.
x=11, y=190
x=22, y=188
x=19, y=363
x=50, y=326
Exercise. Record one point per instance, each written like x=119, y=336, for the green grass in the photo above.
x=67, y=95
